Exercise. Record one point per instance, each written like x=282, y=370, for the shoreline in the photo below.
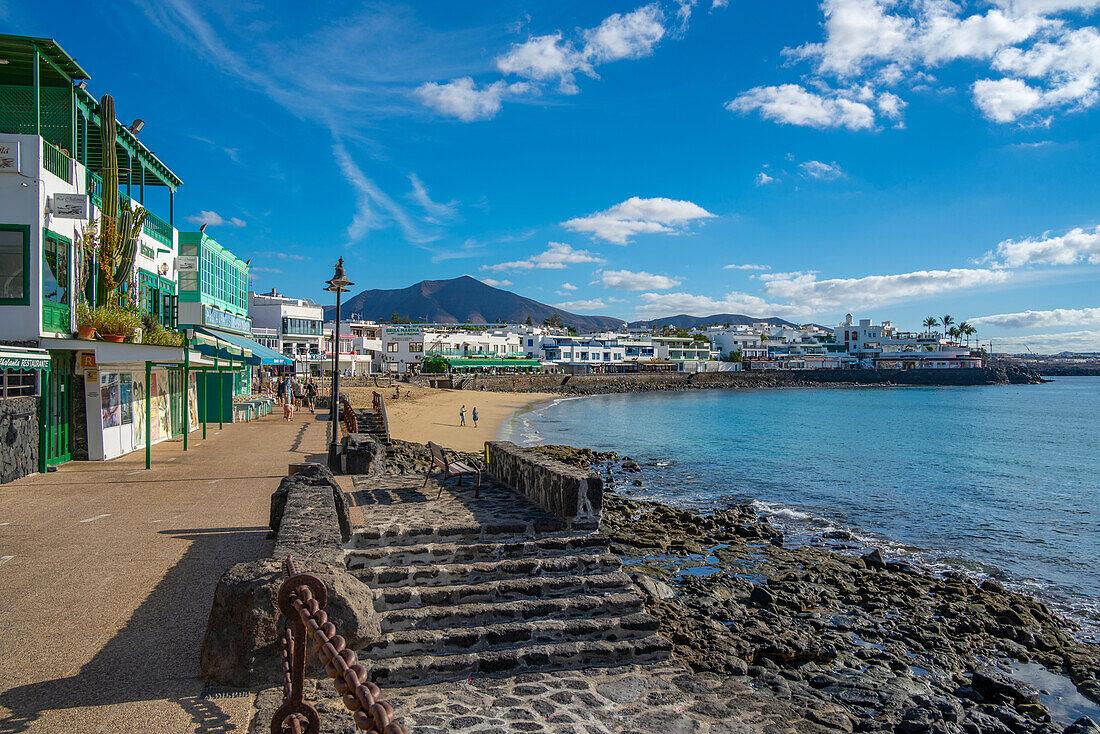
x=876, y=639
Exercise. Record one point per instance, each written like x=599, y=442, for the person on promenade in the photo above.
x=311, y=396
x=288, y=403
x=474, y=416
x=299, y=393
x=462, y=416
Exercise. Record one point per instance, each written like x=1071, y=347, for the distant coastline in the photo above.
x=652, y=382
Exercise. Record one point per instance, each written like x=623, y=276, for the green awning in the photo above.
x=256, y=353
x=483, y=362
x=17, y=358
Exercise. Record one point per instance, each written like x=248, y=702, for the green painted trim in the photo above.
x=26, y=299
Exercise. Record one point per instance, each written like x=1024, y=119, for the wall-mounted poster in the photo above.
x=192, y=402
x=126, y=397
x=161, y=425
x=139, y=409
x=109, y=399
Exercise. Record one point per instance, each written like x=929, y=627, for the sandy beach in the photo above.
x=432, y=415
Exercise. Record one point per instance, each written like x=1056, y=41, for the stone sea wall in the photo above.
x=647, y=382
x=18, y=438
x=310, y=520
x=575, y=495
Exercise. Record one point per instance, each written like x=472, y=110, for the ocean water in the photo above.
x=996, y=481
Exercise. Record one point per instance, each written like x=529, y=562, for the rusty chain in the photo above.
x=302, y=599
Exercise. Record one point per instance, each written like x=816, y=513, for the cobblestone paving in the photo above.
x=398, y=504
x=664, y=699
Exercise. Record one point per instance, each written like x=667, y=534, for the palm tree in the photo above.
x=946, y=322
x=954, y=333
x=931, y=323
x=967, y=330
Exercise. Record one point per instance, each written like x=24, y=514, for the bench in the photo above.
x=450, y=468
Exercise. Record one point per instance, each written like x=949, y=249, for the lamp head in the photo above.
x=339, y=282
x=137, y=125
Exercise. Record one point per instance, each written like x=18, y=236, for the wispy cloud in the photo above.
x=594, y=304
x=1054, y=318
x=1077, y=245
x=747, y=266
x=638, y=216
x=214, y=219
x=763, y=179
x=557, y=256
x=437, y=211
x=496, y=283
x=820, y=171
x=281, y=255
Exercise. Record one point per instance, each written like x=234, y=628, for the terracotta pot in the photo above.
x=85, y=332
x=117, y=338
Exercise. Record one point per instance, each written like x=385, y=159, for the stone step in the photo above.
x=504, y=532
x=507, y=635
x=482, y=615
x=481, y=572
x=505, y=590
x=421, y=669
x=473, y=553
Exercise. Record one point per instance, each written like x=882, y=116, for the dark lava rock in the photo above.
x=874, y=559
x=995, y=686
x=631, y=466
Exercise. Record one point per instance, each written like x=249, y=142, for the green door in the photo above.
x=56, y=259
x=178, y=400
x=57, y=396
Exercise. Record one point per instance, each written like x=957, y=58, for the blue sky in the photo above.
x=892, y=158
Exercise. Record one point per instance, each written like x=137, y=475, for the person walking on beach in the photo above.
x=462, y=416
x=474, y=416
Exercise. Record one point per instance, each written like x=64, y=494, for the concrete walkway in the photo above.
x=108, y=572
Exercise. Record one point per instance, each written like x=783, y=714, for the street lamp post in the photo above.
x=337, y=285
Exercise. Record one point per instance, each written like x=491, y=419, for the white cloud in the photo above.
x=718, y=4
x=747, y=266
x=1005, y=100
x=669, y=304
x=635, y=216
x=1052, y=319
x=870, y=46
x=461, y=98
x=631, y=281
x=215, y=220
x=557, y=256
x=1077, y=245
x=819, y=170
x=875, y=290
x=437, y=211
x=793, y=104
x=545, y=57
x=594, y=304
x=1069, y=341
x=496, y=283
x=629, y=36
x=763, y=179
x=568, y=287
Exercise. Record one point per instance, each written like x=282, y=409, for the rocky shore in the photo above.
x=850, y=642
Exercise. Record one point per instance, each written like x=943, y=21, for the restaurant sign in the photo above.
x=225, y=320
x=9, y=156
x=70, y=206
x=24, y=361
x=404, y=331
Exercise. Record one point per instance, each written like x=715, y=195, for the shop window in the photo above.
x=18, y=383
x=14, y=263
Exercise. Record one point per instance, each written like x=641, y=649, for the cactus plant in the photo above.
x=108, y=129
x=129, y=229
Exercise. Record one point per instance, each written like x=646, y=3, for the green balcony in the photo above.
x=56, y=162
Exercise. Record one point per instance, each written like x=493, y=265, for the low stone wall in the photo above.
x=575, y=495
x=310, y=517
x=670, y=381
x=18, y=438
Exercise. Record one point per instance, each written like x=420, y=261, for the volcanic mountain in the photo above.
x=683, y=321
x=459, y=301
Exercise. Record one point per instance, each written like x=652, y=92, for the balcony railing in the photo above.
x=57, y=162
x=154, y=226
x=158, y=229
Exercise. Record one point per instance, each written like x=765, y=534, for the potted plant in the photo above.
x=84, y=324
x=115, y=324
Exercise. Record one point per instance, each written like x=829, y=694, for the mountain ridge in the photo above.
x=462, y=300
x=684, y=321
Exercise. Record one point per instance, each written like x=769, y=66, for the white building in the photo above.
x=883, y=346
x=292, y=326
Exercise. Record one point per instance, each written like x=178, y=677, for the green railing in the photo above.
x=158, y=229
x=95, y=188
x=154, y=226
x=57, y=162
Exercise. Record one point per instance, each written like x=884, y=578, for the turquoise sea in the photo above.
x=1000, y=481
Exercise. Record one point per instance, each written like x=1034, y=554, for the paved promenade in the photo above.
x=108, y=571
